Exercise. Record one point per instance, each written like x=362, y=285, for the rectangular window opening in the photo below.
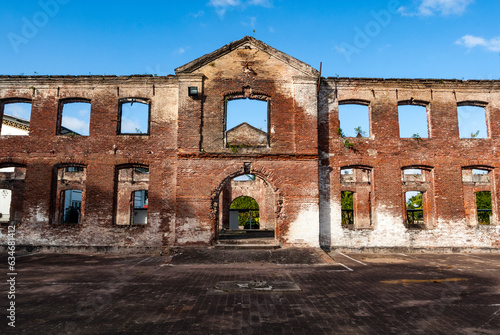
x=413, y=121
x=134, y=117
x=354, y=120
x=472, y=122
x=247, y=122
x=16, y=119
x=75, y=119
x=483, y=207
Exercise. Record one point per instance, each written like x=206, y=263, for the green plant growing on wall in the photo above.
x=347, y=144
x=474, y=135
x=416, y=136
x=234, y=148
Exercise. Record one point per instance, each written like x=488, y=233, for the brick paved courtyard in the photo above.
x=284, y=291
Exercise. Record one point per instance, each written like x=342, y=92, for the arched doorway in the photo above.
x=245, y=207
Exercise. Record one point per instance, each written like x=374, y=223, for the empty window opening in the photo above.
x=472, y=122
x=16, y=118
x=354, y=120
x=347, y=199
x=140, y=207
x=247, y=122
x=132, y=198
x=134, y=117
x=246, y=211
x=11, y=194
x=413, y=121
x=346, y=171
x=5, y=204
x=414, y=208
x=75, y=118
x=483, y=207
x=71, y=206
x=69, y=194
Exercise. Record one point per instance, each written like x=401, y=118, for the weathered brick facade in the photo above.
x=191, y=164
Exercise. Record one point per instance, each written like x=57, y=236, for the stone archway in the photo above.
x=268, y=199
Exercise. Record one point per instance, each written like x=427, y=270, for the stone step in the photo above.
x=248, y=241
x=247, y=246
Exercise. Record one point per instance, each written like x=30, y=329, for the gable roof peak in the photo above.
x=194, y=65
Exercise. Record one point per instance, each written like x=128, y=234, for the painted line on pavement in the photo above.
x=360, y=262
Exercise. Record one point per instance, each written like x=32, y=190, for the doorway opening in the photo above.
x=246, y=210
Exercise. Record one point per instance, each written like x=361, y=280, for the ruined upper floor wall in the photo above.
x=47, y=94
x=439, y=97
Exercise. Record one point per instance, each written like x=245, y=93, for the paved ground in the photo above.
x=286, y=291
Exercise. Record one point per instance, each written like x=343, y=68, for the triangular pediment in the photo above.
x=247, y=42
x=245, y=134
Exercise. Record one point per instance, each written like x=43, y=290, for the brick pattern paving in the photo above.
x=151, y=294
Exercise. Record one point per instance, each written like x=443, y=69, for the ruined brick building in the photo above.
x=171, y=183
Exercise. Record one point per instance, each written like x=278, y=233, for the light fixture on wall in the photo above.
x=193, y=91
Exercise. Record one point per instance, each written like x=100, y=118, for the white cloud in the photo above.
x=181, y=50
x=84, y=112
x=22, y=110
x=76, y=125
x=470, y=41
x=224, y=3
x=251, y=22
x=221, y=6
x=439, y=7
x=197, y=14
x=130, y=126
x=263, y=3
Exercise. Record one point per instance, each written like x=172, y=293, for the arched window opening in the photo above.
x=15, y=118
x=5, y=204
x=354, y=120
x=483, y=207
x=472, y=121
x=245, y=211
x=134, y=117
x=71, y=206
x=247, y=122
x=347, y=201
x=140, y=207
x=413, y=121
x=414, y=208
x=75, y=118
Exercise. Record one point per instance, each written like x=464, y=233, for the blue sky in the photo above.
x=389, y=38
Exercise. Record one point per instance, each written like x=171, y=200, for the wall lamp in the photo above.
x=193, y=91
